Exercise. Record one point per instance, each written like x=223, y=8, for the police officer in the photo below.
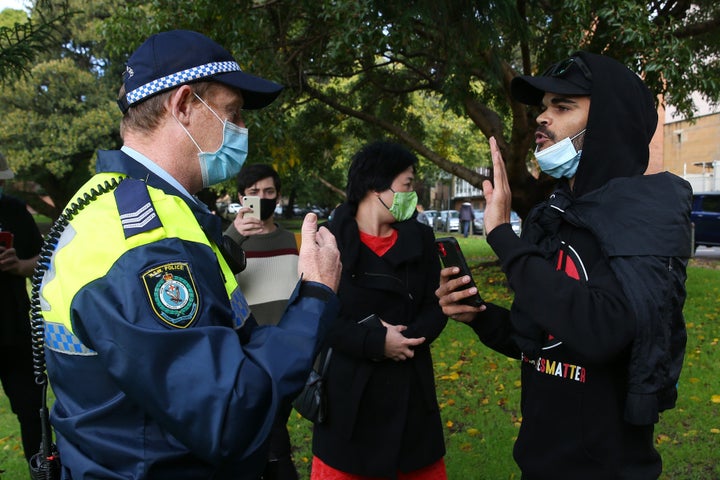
x=158, y=367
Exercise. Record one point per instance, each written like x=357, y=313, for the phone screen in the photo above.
x=6, y=239
x=451, y=256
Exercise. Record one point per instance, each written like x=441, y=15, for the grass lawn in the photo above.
x=479, y=392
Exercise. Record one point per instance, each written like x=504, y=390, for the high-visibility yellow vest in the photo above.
x=96, y=237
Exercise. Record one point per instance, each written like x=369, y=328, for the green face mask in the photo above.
x=403, y=205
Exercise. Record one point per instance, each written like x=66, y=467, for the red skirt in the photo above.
x=323, y=471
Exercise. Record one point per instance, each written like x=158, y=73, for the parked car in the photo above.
x=705, y=216
x=302, y=211
x=479, y=222
x=447, y=221
x=515, y=222
x=430, y=215
x=233, y=208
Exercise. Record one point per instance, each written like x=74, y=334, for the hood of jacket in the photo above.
x=621, y=122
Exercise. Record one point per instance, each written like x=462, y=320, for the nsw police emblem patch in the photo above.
x=172, y=293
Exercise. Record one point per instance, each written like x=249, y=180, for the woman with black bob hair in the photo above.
x=383, y=416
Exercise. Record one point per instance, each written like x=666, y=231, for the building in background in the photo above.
x=691, y=148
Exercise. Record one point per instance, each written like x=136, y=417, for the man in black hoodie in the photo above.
x=598, y=277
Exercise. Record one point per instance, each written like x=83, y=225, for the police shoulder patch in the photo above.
x=172, y=293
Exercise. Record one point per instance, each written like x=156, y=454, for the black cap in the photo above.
x=569, y=77
x=169, y=59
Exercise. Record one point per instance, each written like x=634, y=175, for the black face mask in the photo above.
x=267, y=207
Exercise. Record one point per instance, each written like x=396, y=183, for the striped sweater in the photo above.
x=271, y=272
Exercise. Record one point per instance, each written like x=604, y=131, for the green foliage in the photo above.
x=9, y=17
x=23, y=40
x=432, y=75
x=53, y=123
x=55, y=118
x=373, y=62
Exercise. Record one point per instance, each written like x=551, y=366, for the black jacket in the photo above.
x=598, y=278
x=14, y=322
x=649, y=259
x=383, y=415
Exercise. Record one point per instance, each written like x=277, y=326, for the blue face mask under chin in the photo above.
x=561, y=159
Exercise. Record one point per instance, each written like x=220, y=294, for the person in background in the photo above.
x=207, y=196
x=18, y=257
x=157, y=364
x=383, y=416
x=466, y=218
x=267, y=282
x=421, y=217
x=598, y=278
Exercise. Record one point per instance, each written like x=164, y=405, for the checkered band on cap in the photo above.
x=180, y=78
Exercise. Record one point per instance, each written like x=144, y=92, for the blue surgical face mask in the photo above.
x=560, y=159
x=228, y=159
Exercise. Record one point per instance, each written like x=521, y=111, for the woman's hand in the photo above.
x=397, y=346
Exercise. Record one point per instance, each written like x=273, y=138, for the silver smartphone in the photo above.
x=254, y=203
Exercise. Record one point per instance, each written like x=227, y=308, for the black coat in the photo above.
x=383, y=415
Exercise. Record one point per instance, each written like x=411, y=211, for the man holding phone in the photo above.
x=598, y=277
x=268, y=280
x=21, y=242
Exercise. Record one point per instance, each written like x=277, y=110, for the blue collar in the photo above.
x=125, y=163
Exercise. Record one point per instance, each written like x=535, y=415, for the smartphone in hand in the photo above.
x=451, y=256
x=254, y=203
x=372, y=321
x=6, y=239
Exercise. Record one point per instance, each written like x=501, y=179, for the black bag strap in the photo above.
x=326, y=362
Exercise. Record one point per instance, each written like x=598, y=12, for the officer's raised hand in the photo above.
x=319, y=256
